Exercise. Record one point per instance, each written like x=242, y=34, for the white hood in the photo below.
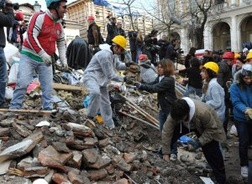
x=191, y=113
x=105, y=46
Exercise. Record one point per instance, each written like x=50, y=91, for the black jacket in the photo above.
x=112, y=32
x=163, y=44
x=171, y=52
x=194, y=77
x=187, y=60
x=78, y=54
x=224, y=74
x=165, y=90
x=6, y=20
x=121, y=32
x=132, y=40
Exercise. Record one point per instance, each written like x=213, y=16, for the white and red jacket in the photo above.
x=42, y=35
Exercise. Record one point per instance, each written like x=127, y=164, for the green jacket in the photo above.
x=204, y=120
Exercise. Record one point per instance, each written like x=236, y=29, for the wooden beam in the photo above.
x=66, y=87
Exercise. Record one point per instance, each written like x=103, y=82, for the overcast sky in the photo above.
x=43, y=4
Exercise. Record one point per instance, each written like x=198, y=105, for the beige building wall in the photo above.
x=79, y=11
x=229, y=26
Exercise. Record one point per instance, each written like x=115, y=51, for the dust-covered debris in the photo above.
x=65, y=147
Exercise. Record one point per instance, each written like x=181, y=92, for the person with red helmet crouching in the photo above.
x=44, y=32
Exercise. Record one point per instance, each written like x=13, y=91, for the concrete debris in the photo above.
x=66, y=147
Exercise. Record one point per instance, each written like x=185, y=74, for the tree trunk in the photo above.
x=199, y=38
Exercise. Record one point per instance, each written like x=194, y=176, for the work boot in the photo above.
x=173, y=157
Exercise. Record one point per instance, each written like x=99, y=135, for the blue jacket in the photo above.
x=241, y=100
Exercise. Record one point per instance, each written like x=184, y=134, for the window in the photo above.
x=219, y=1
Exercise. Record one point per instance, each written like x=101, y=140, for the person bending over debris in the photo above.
x=193, y=115
x=99, y=72
x=44, y=31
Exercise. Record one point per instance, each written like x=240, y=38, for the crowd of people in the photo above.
x=225, y=86
x=217, y=85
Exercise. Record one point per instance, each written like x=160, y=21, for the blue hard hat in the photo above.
x=49, y=2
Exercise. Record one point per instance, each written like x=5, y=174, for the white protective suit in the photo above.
x=99, y=72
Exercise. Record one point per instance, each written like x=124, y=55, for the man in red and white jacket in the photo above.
x=44, y=32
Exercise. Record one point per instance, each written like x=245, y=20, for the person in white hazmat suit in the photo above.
x=98, y=74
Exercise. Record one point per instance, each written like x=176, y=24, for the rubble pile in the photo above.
x=64, y=147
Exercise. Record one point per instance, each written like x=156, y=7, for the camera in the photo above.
x=154, y=48
x=3, y=4
x=180, y=51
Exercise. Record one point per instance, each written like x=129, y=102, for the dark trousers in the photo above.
x=133, y=55
x=228, y=105
x=211, y=152
x=244, y=130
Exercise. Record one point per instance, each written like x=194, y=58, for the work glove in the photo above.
x=137, y=84
x=193, y=145
x=129, y=64
x=129, y=79
x=64, y=66
x=248, y=112
x=47, y=59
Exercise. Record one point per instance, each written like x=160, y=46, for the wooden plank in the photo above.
x=27, y=111
x=67, y=87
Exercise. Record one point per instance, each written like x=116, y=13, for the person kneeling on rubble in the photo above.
x=99, y=72
x=193, y=115
x=148, y=71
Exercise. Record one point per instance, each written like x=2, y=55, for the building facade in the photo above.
x=228, y=26
x=79, y=11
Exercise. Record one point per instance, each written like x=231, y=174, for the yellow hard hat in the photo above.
x=212, y=66
x=249, y=56
x=237, y=55
x=120, y=40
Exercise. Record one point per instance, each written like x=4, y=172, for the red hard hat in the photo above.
x=19, y=16
x=91, y=17
x=228, y=55
x=142, y=57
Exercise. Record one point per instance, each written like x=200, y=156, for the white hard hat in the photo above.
x=245, y=50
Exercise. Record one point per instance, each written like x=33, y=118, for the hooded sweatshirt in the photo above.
x=103, y=66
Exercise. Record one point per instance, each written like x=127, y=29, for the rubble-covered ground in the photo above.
x=66, y=148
